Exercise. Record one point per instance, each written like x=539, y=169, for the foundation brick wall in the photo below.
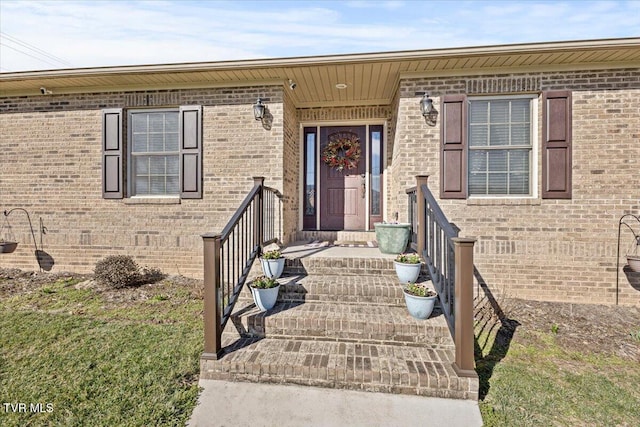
x=556, y=250
x=51, y=157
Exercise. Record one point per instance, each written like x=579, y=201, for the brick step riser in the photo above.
x=349, y=383
x=340, y=266
x=375, y=368
x=297, y=297
x=436, y=343
x=345, y=299
x=336, y=294
x=324, y=270
x=343, y=329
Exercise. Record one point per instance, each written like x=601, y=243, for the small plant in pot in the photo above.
x=407, y=267
x=265, y=292
x=272, y=263
x=420, y=300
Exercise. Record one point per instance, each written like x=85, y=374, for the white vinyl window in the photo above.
x=154, y=152
x=500, y=146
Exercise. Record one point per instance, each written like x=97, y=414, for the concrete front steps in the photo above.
x=335, y=328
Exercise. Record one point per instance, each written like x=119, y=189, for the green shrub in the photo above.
x=419, y=290
x=118, y=271
x=263, y=282
x=274, y=254
x=408, y=259
x=151, y=275
x=121, y=271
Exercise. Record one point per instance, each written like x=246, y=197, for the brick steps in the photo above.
x=340, y=322
x=353, y=322
x=349, y=289
x=356, y=266
x=345, y=365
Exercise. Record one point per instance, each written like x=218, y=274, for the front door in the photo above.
x=343, y=185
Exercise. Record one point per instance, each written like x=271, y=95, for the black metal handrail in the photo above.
x=439, y=254
x=412, y=214
x=449, y=259
x=438, y=251
x=229, y=256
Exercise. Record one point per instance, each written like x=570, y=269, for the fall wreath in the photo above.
x=342, y=153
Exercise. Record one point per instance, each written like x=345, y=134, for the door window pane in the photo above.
x=376, y=173
x=310, y=174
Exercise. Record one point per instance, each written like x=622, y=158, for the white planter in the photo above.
x=265, y=299
x=419, y=307
x=272, y=268
x=407, y=273
x=634, y=262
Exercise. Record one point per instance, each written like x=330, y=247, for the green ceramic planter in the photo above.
x=392, y=238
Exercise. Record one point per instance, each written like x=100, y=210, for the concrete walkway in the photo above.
x=236, y=404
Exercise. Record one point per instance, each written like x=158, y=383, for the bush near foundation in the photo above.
x=121, y=271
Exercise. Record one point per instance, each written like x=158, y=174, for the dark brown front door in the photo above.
x=342, y=192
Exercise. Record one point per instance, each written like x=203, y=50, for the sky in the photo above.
x=55, y=34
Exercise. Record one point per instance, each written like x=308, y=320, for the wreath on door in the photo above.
x=342, y=152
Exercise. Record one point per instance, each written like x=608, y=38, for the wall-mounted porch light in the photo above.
x=429, y=112
x=258, y=109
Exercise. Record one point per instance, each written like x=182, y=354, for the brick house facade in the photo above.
x=529, y=245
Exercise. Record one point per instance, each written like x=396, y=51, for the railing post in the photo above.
x=212, y=303
x=420, y=208
x=463, y=309
x=259, y=217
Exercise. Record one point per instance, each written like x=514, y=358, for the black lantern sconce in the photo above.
x=258, y=109
x=429, y=112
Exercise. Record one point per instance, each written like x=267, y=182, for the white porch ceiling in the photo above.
x=371, y=79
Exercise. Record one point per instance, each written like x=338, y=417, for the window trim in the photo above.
x=129, y=169
x=534, y=100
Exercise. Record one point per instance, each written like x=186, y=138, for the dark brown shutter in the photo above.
x=191, y=152
x=453, y=153
x=556, y=145
x=112, y=154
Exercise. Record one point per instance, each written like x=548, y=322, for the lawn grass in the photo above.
x=89, y=361
x=538, y=382
x=94, y=360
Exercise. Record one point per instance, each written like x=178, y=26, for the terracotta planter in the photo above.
x=634, y=262
x=8, y=247
x=392, y=238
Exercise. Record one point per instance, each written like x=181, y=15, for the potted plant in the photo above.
x=265, y=292
x=6, y=247
x=272, y=263
x=392, y=238
x=407, y=267
x=420, y=300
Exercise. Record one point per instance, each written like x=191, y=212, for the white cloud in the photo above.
x=103, y=33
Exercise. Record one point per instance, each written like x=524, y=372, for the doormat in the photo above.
x=342, y=244
x=349, y=244
x=317, y=244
